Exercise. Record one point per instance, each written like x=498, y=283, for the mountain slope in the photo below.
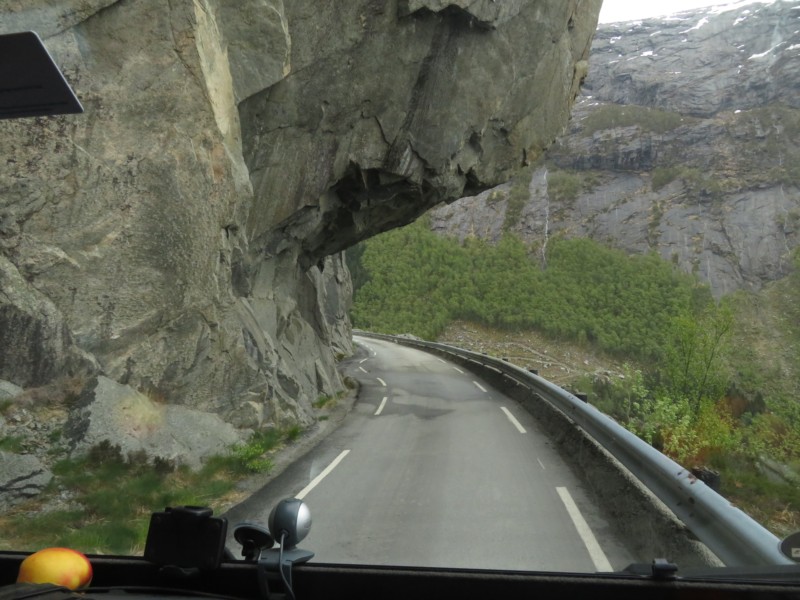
x=686, y=141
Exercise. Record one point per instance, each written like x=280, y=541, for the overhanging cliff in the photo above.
x=183, y=236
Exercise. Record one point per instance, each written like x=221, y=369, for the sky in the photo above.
x=630, y=10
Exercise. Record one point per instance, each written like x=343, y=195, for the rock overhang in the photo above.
x=183, y=234
x=420, y=107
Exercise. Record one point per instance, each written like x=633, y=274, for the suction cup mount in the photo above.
x=289, y=523
x=254, y=539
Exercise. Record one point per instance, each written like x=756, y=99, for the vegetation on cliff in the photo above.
x=418, y=282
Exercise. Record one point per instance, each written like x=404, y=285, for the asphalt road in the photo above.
x=433, y=467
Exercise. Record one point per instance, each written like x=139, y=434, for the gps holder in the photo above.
x=185, y=540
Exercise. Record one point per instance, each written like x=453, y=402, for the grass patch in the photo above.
x=113, y=496
x=329, y=401
x=612, y=116
x=12, y=443
x=250, y=457
x=518, y=197
x=322, y=401
x=293, y=432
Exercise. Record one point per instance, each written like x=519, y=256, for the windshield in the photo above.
x=485, y=285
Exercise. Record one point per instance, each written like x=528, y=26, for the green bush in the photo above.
x=12, y=443
x=683, y=430
x=775, y=433
x=662, y=176
x=564, y=186
x=250, y=457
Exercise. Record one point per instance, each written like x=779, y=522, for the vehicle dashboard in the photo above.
x=132, y=578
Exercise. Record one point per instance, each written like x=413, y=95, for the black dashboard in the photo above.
x=132, y=578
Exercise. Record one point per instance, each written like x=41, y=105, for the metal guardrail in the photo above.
x=735, y=537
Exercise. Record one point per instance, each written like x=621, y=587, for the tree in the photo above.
x=695, y=348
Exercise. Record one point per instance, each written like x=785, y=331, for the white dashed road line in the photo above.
x=513, y=419
x=363, y=369
x=595, y=551
x=480, y=387
x=383, y=383
x=380, y=408
x=459, y=370
x=321, y=476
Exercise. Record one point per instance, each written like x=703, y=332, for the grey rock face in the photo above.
x=123, y=417
x=719, y=194
x=700, y=62
x=183, y=237
x=22, y=476
x=9, y=390
x=38, y=344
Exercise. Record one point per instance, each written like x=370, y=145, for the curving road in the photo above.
x=433, y=467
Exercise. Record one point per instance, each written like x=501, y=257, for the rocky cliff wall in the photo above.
x=183, y=237
x=684, y=141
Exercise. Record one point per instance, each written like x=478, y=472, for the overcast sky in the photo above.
x=630, y=10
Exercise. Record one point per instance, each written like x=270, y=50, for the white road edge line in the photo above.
x=321, y=476
x=513, y=419
x=380, y=408
x=480, y=387
x=383, y=383
x=595, y=551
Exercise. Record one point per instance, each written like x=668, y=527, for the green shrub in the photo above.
x=518, y=197
x=688, y=433
x=12, y=443
x=564, y=186
x=250, y=457
x=293, y=432
x=662, y=176
x=322, y=400
x=776, y=433
x=621, y=396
